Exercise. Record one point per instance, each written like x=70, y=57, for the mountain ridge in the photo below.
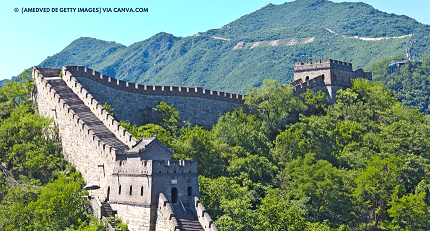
x=264, y=42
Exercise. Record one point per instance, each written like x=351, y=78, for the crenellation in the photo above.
x=203, y=217
x=136, y=177
x=79, y=71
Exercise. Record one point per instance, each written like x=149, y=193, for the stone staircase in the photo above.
x=109, y=213
x=86, y=114
x=186, y=219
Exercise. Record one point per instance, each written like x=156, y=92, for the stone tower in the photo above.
x=327, y=75
x=145, y=171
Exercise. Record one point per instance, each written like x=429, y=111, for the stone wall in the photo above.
x=151, y=178
x=328, y=76
x=166, y=220
x=197, y=105
x=97, y=109
x=80, y=146
x=137, y=217
x=204, y=217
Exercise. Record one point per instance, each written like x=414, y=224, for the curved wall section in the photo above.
x=197, y=105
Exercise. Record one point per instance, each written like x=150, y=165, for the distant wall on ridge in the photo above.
x=197, y=105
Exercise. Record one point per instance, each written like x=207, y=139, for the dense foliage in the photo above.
x=39, y=190
x=362, y=163
x=212, y=63
x=410, y=83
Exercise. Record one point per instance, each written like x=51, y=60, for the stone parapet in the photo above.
x=318, y=65
x=204, y=217
x=42, y=85
x=81, y=71
x=150, y=167
x=300, y=87
x=168, y=216
x=98, y=109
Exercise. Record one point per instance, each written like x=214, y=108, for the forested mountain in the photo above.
x=410, y=83
x=360, y=164
x=261, y=45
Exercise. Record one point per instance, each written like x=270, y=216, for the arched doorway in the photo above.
x=174, y=195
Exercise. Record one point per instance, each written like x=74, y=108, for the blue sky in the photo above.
x=27, y=39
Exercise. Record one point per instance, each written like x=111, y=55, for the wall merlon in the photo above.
x=91, y=102
x=204, y=218
x=74, y=118
x=80, y=71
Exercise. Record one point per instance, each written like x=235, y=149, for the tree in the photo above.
x=13, y=94
x=258, y=169
x=409, y=212
x=164, y=115
x=148, y=130
x=278, y=213
x=323, y=185
x=274, y=102
x=237, y=128
x=60, y=205
x=195, y=143
x=375, y=186
x=315, y=101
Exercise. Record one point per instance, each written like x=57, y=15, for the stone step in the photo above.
x=86, y=115
x=187, y=221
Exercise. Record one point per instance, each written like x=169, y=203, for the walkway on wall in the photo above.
x=81, y=110
x=186, y=219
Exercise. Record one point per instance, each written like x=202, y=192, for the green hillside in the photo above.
x=410, y=83
x=261, y=45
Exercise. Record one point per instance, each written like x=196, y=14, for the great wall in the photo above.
x=137, y=178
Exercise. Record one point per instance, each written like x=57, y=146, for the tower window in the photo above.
x=141, y=191
x=119, y=190
x=131, y=189
x=307, y=78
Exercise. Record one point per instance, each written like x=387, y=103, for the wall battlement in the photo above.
x=327, y=75
x=167, y=214
x=151, y=167
x=195, y=104
x=318, y=64
x=139, y=178
x=300, y=87
x=204, y=217
x=81, y=71
x=104, y=149
x=110, y=122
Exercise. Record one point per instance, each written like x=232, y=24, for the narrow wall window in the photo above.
x=190, y=191
x=131, y=189
x=323, y=77
x=141, y=191
x=119, y=190
x=307, y=78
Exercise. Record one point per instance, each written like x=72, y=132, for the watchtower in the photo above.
x=327, y=75
x=146, y=170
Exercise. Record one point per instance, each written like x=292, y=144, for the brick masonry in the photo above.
x=138, y=177
x=196, y=105
x=327, y=75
